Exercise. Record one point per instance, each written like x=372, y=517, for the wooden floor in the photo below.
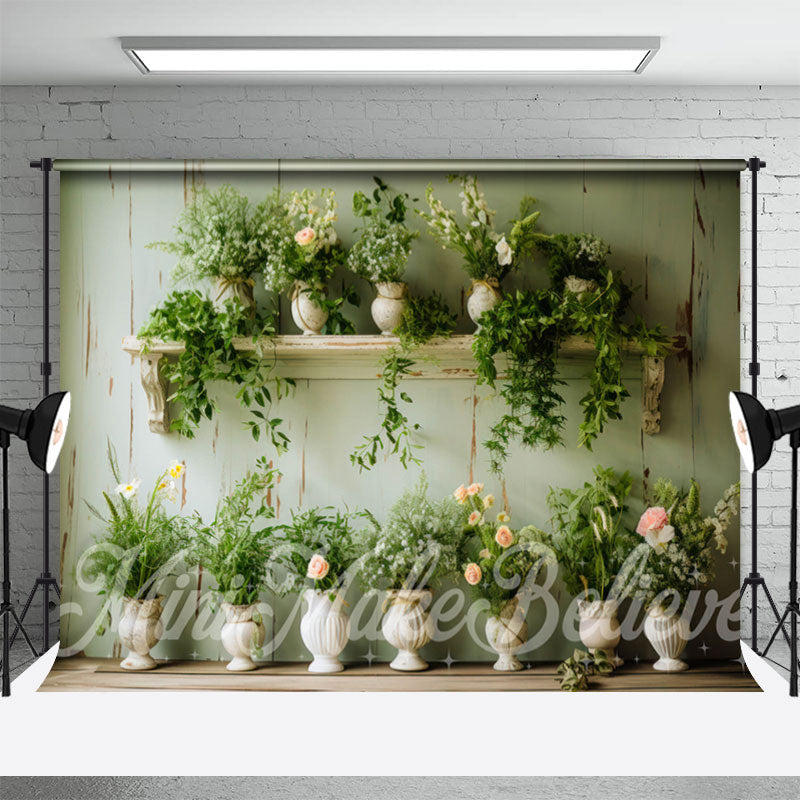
x=81, y=674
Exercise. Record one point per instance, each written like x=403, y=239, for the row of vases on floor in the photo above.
x=406, y=625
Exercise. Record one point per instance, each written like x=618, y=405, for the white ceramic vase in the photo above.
x=599, y=627
x=506, y=634
x=308, y=315
x=483, y=295
x=139, y=631
x=668, y=632
x=241, y=634
x=325, y=630
x=408, y=627
x=579, y=286
x=388, y=306
x=233, y=290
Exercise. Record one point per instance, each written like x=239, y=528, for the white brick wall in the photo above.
x=428, y=121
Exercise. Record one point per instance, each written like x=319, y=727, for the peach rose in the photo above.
x=305, y=236
x=488, y=501
x=317, y=568
x=504, y=537
x=473, y=574
x=475, y=517
x=474, y=488
x=652, y=519
x=460, y=494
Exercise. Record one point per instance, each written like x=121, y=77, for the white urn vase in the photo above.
x=325, y=630
x=483, y=295
x=139, y=631
x=307, y=314
x=668, y=632
x=242, y=633
x=506, y=634
x=388, y=306
x=408, y=627
x=599, y=627
x=579, y=286
x=240, y=290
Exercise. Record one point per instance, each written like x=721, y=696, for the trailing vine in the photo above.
x=424, y=318
x=209, y=355
x=585, y=299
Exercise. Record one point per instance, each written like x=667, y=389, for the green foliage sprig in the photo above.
x=575, y=671
x=235, y=547
x=424, y=319
x=589, y=535
x=209, y=355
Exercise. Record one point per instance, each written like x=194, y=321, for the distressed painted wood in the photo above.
x=653, y=370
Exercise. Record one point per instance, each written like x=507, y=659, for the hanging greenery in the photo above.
x=424, y=318
x=209, y=355
x=586, y=299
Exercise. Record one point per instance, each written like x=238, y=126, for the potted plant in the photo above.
x=317, y=553
x=215, y=239
x=576, y=262
x=234, y=549
x=488, y=255
x=300, y=250
x=678, y=558
x=591, y=544
x=380, y=253
x=501, y=564
x=415, y=548
x=139, y=548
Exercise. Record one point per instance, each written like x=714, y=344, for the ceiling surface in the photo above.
x=703, y=41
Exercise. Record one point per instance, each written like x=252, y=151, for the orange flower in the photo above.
x=318, y=567
x=504, y=537
x=473, y=574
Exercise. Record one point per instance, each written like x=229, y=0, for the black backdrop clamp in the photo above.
x=45, y=581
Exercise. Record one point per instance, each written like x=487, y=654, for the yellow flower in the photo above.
x=503, y=517
x=176, y=469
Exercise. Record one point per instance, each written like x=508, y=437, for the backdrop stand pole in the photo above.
x=45, y=581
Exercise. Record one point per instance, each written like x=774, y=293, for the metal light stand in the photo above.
x=45, y=581
x=755, y=579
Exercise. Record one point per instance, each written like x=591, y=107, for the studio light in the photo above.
x=43, y=429
x=391, y=55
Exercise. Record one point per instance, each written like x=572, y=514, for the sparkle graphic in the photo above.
x=705, y=648
x=696, y=574
x=636, y=659
x=449, y=660
x=733, y=562
x=370, y=656
x=195, y=655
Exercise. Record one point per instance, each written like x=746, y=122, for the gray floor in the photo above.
x=603, y=788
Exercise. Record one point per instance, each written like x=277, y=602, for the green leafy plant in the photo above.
x=236, y=545
x=418, y=544
x=677, y=555
x=589, y=536
x=528, y=327
x=140, y=546
x=424, y=319
x=498, y=562
x=209, y=355
x=380, y=253
x=487, y=254
x=318, y=548
x=575, y=671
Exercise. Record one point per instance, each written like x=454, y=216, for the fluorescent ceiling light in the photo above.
x=392, y=55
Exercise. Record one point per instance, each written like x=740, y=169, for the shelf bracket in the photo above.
x=652, y=386
x=155, y=388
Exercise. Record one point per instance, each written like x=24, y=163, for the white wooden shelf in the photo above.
x=358, y=358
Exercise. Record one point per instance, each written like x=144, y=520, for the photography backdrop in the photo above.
x=673, y=228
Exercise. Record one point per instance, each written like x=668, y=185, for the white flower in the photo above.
x=657, y=538
x=128, y=490
x=176, y=469
x=504, y=252
x=168, y=489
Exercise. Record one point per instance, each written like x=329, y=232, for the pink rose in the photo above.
x=473, y=574
x=460, y=494
x=317, y=568
x=475, y=517
x=504, y=537
x=654, y=518
x=474, y=488
x=305, y=236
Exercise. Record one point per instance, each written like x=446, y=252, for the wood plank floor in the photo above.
x=81, y=674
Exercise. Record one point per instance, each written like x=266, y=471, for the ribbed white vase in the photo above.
x=325, y=630
x=240, y=635
x=506, y=634
x=388, y=306
x=599, y=627
x=408, y=627
x=308, y=315
x=668, y=632
x=139, y=631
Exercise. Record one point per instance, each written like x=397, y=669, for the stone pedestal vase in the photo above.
x=483, y=295
x=241, y=634
x=139, y=631
x=668, y=632
x=599, y=627
x=408, y=627
x=306, y=313
x=241, y=291
x=325, y=630
x=388, y=306
x=506, y=634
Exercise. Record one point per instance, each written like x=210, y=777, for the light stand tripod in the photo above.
x=45, y=581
